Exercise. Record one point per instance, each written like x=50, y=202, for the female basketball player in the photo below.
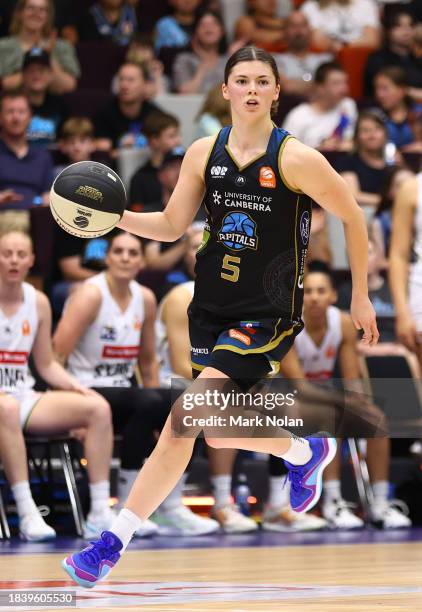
x=256, y=183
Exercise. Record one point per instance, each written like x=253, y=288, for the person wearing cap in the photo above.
x=48, y=110
x=32, y=25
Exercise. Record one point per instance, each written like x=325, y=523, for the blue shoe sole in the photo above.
x=84, y=583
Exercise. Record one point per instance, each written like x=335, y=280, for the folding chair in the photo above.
x=63, y=443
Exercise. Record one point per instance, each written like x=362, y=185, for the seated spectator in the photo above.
x=25, y=330
x=397, y=51
x=364, y=169
x=32, y=26
x=176, y=30
x=141, y=51
x=163, y=134
x=336, y=23
x=394, y=177
x=75, y=259
x=120, y=123
x=26, y=172
x=198, y=70
x=329, y=120
x=108, y=20
x=379, y=294
x=166, y=256
x=391, y=94
x=77, y=141
x=214, y=114
x=262, y=26
x=48, y=110
x=297, y=65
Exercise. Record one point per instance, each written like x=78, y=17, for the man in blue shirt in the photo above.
x=26, y=173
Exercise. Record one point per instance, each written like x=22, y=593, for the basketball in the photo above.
x=87, y=199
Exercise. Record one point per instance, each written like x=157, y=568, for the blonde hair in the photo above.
x=217, y=106
x=77, y=126
x=16, y=22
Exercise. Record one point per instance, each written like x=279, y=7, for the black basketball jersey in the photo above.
x=252, y=258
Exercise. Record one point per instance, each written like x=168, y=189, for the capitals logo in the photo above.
x=238, y=231
x=305, y=226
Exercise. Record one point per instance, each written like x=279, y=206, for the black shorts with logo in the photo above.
x=243, y=349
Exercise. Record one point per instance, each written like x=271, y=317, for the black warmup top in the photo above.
x=252, y=259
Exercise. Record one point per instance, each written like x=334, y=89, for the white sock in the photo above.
x=299, y=452
x=125, y=525
x=380, y=490
x=24, y=503
x=174, y=498
x=126, y=480
x=221, y=488
x=332, y=490
x=100, y=494
x=279, y=493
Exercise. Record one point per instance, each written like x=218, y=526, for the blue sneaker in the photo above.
x=94, y=562
x=306, y=480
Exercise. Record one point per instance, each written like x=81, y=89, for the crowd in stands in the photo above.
x=101, y=80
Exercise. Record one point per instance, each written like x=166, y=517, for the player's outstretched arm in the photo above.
x=307, y=170
x=171, y=224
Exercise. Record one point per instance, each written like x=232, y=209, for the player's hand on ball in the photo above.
x=363, y=315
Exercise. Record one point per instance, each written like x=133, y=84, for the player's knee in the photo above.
x=99, y=412
x=9, y=412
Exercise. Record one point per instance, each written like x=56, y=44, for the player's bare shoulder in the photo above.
x=296, y=159
x=43, y=305
x=198, y=153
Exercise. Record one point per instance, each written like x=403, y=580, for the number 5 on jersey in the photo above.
x=232, y=270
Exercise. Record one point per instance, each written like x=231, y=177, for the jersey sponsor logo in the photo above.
x=305, y=226
x=330, y=352
x=217, y=197
x=112, y=370
x=238, y=231
x=137, y=324
x=108, y=332
x=240, y=180
x=200, y=351
x=267, y=177
x=14, y=357
x=11, y=377
x=218, y=171
x=26, y=328
x=120, y=352
x=238, y=335
x=251, y=201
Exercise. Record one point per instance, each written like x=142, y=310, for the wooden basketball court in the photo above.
x=316, y=578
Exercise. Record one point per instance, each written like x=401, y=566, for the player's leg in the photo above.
x=59, y=412
x=228, y=515
x=14, y=459
x=336, y=511
x=384, y=512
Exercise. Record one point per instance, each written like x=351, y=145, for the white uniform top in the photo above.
x=163, y=353
x=17, y=335
x=318, y=361
x=107, y=353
